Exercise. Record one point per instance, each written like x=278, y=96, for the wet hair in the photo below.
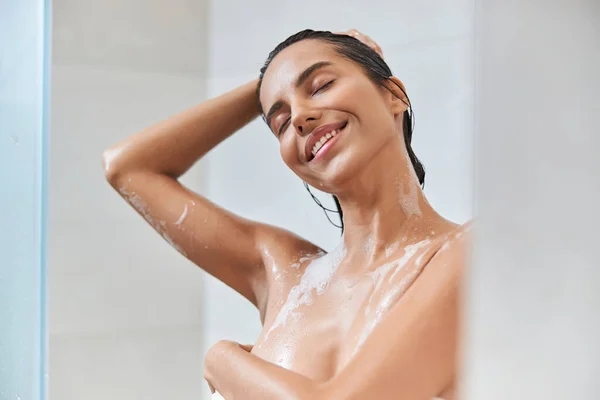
x=375, y=68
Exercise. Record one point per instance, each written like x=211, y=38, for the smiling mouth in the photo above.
x=326, y=138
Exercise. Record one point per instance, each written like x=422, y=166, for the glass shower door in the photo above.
x=24, y=76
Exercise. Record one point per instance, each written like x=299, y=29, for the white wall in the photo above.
x=428, y=44
x=533, y=307
x=125, y=310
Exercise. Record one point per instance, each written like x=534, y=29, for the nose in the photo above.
x=305, y=119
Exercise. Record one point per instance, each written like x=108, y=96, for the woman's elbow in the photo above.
x=111, y=164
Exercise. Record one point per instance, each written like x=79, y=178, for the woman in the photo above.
x=374, y=319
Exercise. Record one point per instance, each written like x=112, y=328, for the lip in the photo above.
x=318, y=133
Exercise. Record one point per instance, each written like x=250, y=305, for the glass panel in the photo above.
x=24, y=73
x=533, y=305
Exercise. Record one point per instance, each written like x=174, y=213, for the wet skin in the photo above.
x=375, y=318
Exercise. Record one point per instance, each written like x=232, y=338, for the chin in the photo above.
x=339, y=172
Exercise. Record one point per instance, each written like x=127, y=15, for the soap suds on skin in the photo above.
x=136, y=201
x=315, y=279
x=306, y=256
x=390, y=298
x=408, y=195
x=419, y=260
x=410, y=251
x=385, y=304
x=275, y=270
x=395, y=292
x=391, y=249
x=369, y=245
x=380, y=273
x=183, y=215
x=408, y=192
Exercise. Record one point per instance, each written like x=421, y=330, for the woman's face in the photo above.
x=329, y=117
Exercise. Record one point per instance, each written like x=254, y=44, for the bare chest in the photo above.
x=316, y=326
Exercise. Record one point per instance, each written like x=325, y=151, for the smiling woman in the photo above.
x=376, y=317
x=315, y=146
x=362, y=53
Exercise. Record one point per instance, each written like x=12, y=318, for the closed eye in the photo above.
x=325, y=86
x=283, y=126
x=320, y=89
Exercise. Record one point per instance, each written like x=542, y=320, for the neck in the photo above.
x=385, y=209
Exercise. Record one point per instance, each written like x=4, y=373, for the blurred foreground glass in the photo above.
x=533, y=307
x=24, y=74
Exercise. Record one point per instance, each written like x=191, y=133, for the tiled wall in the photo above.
x=125, y=310
x=129, y=318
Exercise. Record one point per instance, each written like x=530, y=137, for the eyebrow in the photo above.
x=299, y=81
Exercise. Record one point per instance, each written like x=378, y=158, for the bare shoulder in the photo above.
x=281, y=246
x=418, y=340
x=447, y=266
x=456, y=246
x=285, y=255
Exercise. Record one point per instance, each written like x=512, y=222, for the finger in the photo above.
x=353, y=33
x=367, y=40
x=346, y=32
x=371, y=42
x=247, y=347
x=376, y=47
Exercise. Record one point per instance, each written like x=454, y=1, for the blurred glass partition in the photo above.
x=533, y=309
x=24, y=77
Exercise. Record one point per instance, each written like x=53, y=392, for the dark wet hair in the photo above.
x=375, y=68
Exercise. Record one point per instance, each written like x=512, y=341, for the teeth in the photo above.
x=323, y=140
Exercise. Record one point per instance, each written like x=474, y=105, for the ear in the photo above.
x=397, y=95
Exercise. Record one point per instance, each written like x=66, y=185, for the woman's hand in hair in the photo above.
x=363, y=38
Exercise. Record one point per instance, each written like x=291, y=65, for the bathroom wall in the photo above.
x=129, y=317
x=125, y=310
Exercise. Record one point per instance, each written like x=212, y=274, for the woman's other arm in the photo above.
x=145, y=169
x=411, y=354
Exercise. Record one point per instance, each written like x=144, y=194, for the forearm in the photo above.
x=172, y=146
x=238, y=374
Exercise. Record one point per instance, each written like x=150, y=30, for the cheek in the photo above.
x=374, y=112
x=360, y=98
x=289, y=150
